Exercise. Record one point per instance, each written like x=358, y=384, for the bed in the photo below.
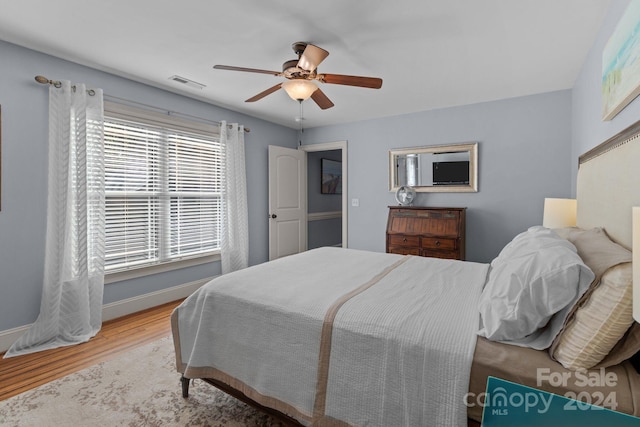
x=345, y=337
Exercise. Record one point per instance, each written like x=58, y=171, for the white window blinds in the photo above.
x=163, y=188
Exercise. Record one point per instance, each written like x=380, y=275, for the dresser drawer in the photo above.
x=440, y=254
x=439, y=243
x=403, y=250
x=404, y=240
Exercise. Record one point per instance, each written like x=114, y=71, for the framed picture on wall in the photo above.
x=331, y=179
x=621, y=64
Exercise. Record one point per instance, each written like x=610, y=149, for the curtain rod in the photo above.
x=57, y=84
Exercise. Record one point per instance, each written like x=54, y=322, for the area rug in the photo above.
x=138, y=388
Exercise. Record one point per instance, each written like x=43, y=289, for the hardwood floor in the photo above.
x=22, y=373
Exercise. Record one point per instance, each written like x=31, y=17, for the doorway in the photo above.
x=327, y=204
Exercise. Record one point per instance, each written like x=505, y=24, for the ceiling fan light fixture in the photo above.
x=298, y=89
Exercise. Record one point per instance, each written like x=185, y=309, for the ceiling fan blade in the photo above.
x=312, y=57
x=264, y=93
x=339, y=79
x=321, y=99
x=248, y=70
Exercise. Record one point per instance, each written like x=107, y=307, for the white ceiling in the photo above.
x=430, y=53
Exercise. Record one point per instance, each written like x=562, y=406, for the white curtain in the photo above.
x=235, y=225
x=73, y=283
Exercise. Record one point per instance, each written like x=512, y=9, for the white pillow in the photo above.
x=600, y=323
x=533, y=284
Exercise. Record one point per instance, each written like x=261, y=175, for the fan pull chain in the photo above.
x=301, y=118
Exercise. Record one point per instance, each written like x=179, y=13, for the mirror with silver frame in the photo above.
x=438, y=168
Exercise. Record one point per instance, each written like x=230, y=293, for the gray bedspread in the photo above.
x=339, y=337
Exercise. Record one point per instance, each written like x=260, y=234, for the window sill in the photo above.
x=120, y=276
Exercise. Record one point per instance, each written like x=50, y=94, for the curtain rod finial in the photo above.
x=45, y=81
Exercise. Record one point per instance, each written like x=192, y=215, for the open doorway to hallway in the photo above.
x=327, y=213
x=324, y=198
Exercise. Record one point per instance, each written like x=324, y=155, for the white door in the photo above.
x=287, y=201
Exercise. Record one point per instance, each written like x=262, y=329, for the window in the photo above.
x=163, y=188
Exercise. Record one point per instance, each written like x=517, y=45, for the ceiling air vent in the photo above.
x=187, y=82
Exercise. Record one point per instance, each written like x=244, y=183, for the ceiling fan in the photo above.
x=300, y=74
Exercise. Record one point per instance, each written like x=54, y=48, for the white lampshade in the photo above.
x=635, y=220
x=299, y=89
x=559, y=213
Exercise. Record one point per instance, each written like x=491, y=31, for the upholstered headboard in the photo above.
x=609, y=185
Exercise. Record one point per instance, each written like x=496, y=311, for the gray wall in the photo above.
x=326, y=232
x=588, y=128
x=524, y=150
x=24, y=177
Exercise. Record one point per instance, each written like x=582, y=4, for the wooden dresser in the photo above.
x=424, y=231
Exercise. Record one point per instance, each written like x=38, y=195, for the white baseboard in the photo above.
x=120, y=308
x=142, y=302
x=9, y=336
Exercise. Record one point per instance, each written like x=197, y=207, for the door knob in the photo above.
x=273, y=216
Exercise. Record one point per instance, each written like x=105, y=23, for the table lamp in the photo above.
x=559, y=213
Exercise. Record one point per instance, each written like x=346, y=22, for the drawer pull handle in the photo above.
x=404, y=240
x=437, y=242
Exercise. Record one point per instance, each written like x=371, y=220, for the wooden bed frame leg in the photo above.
x=185, y=386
